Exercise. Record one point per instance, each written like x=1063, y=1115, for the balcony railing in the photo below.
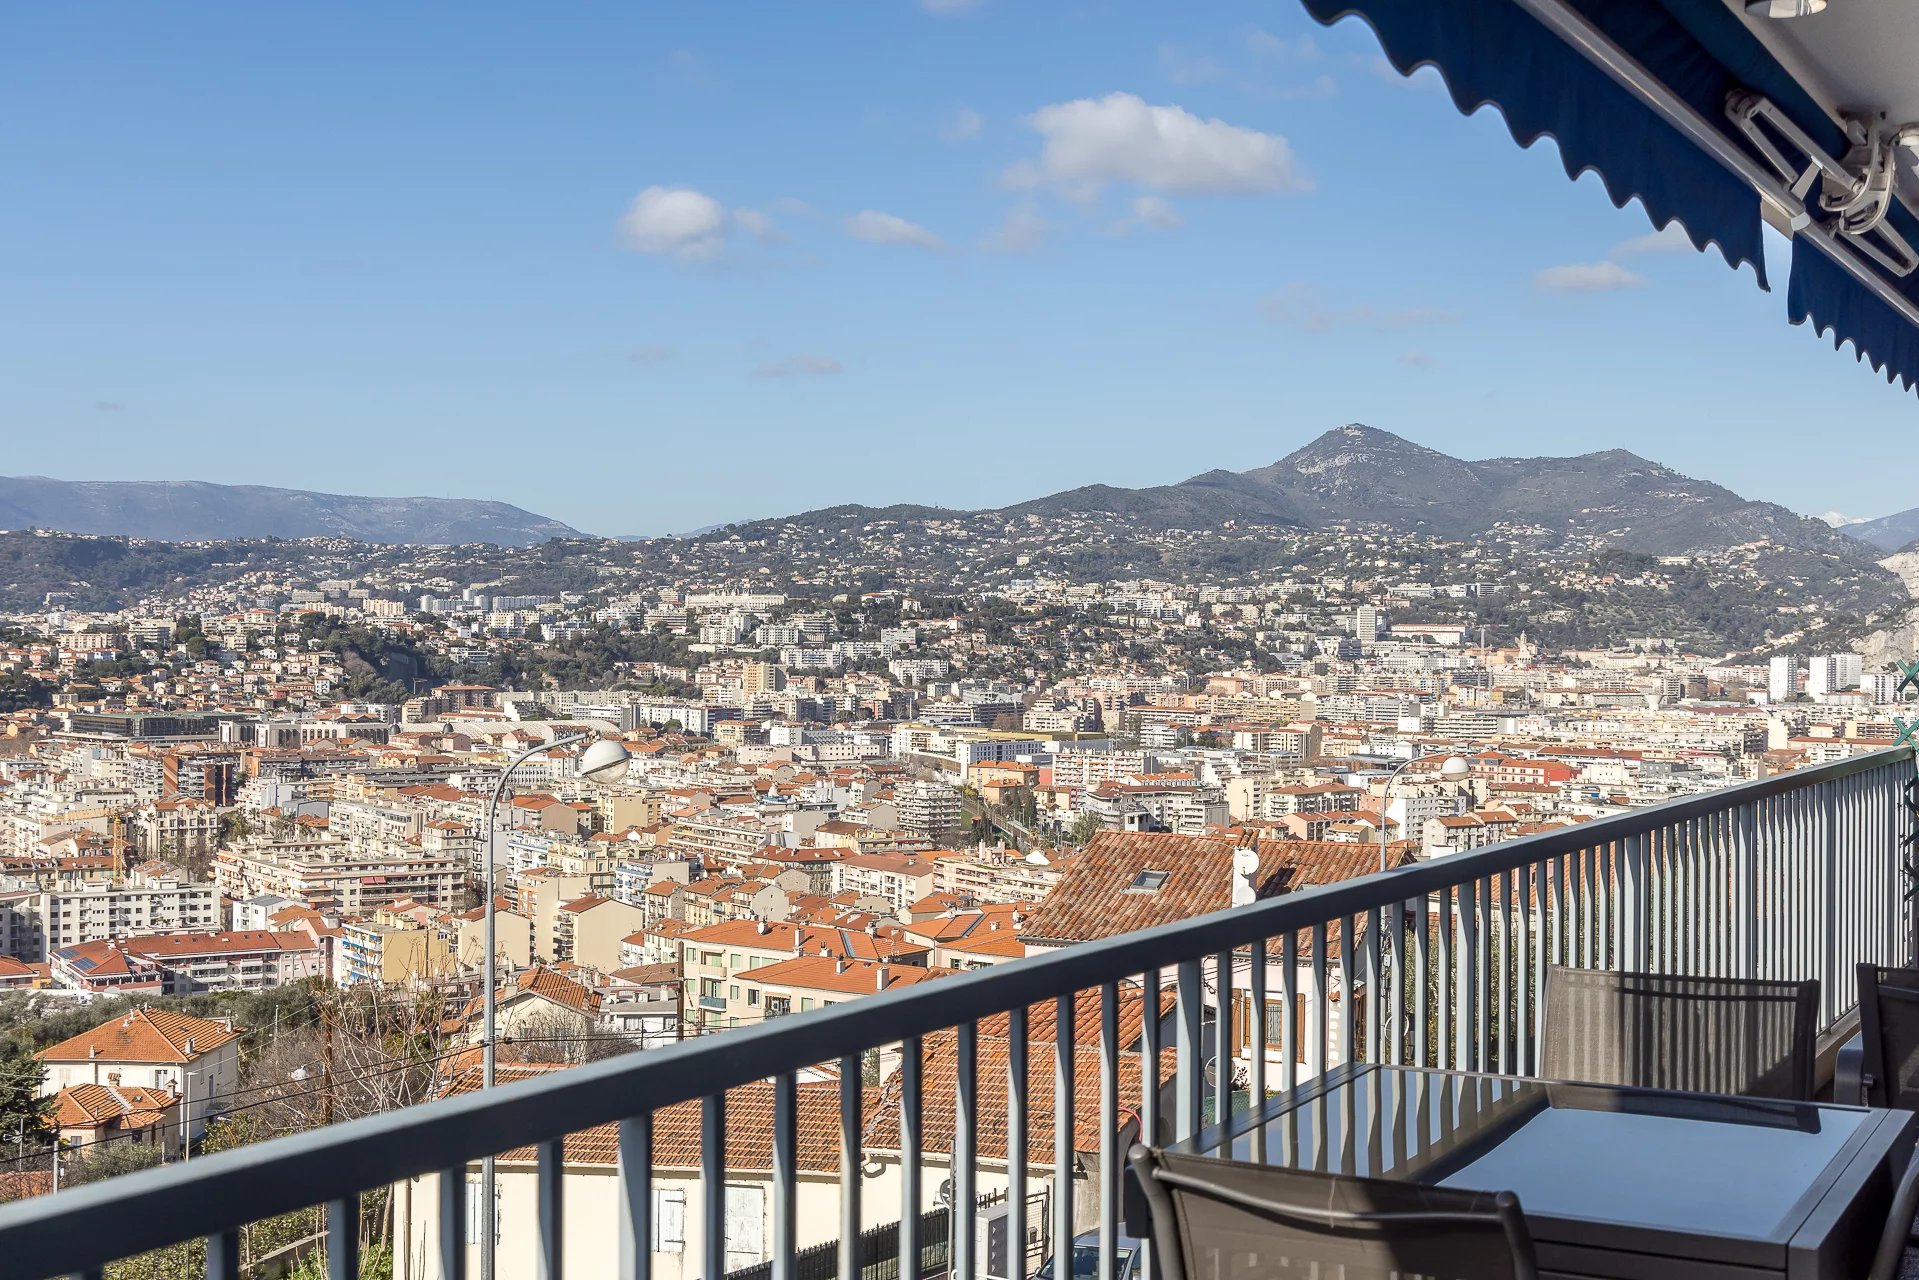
x=1440, y=963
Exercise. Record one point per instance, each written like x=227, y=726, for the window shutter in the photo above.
x=669, y=1220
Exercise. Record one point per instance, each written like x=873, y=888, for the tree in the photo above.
x=110, y=1160
x=22, y=1109
x=1084, y=828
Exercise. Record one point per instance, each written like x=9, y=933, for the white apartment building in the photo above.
x=147, y=903
x=927, y=808
x=1782, y=678
x=1832, y=672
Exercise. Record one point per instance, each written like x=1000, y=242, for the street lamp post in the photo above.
x=1454, y=768
x=605, y=761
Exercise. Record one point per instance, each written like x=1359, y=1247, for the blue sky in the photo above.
x=650, y=267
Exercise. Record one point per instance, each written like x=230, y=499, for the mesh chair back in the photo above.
x=1889, y=1035
x=1746, y=1036
x=1224, y=1220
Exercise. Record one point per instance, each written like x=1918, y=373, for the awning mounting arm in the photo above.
x=1855, y=192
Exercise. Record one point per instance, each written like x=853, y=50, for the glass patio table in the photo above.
x=1614, y=1182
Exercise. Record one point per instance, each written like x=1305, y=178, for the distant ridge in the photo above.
x=1895, y=532
x=1361, y=475
x=196, y=511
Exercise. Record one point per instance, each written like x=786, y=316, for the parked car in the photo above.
x=1086, y=1259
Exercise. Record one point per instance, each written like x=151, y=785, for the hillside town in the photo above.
x=823, y=797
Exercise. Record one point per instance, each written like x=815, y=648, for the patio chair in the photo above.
x=1897, y=1236
x=1223, y=1220
x=1748, y=1036
x=1889, y=1037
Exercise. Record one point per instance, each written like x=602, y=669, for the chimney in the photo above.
x=762, y=928
x=839, y=966
x=1245, y=868
x=879, y=979
x=93, y=1051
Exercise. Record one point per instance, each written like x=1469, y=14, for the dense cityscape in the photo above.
x=244, y=814
x=607, y=671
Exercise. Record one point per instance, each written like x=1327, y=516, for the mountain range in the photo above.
x=1354, y=474
x=1896, y=532
x=1359, y=474
x=195, y=511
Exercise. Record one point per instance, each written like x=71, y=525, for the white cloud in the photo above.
x=1416, y=360
x=1022, y=231
x=1151, y=212
x=885, y=228
x=1092, y=142
x=1318, y=89
x=1267, y=45
x=963, y=125
x=1586, y=277
x=1304, y=307
x=947, y=8
x=1182, y=67
x=1670, y=238
x=649, y=355
x=759, y=225
x=800, y=367
x=686, y=223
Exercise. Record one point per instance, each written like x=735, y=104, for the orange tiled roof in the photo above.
x=144, y=1035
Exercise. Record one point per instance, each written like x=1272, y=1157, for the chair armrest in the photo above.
x=1849, y=1082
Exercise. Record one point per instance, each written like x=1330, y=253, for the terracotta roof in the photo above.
x=560, y=989
x=86, y=1106
x=1126, y=881
x=144, y=1035
x=847, y=977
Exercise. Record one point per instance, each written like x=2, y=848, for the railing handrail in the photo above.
x=119, y=1217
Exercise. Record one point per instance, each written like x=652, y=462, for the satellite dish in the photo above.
x=1246, y=860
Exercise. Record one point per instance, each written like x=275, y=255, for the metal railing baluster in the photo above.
x=912, y=1151
x=1257, y=1035
x=1108, y=1130
x=1394, y=920
x=1445, y=1047
x=1016, y=1147
x=965, y=1157
x=1466, y=1034
x=1189, y=1066
x=635, y=1205
x=1349, y=993
x=451, y=1186
x=852, y=1154
x=550, y=1184
x=1422, y=958
x=786, y=1165
x=343, y=1239
x=223, y=1256
x=713, y=1185
x=1223, y=1044
x=1319, y=1043
x=1289, y=1026
x=1064, y=1063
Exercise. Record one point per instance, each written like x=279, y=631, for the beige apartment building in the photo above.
x=338, y=877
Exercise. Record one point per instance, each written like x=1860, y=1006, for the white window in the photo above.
x=669, y=1220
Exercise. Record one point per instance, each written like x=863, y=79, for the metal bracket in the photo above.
x=1855, y=192
x=1908, y=675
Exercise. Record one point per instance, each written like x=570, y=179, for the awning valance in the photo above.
x=1637, y=91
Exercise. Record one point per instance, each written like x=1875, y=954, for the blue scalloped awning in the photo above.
x=1495, y=52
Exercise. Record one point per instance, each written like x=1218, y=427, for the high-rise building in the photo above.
x=1782, y=678
x=1881, y=686
x=1831, y=672
x=1366, y=622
